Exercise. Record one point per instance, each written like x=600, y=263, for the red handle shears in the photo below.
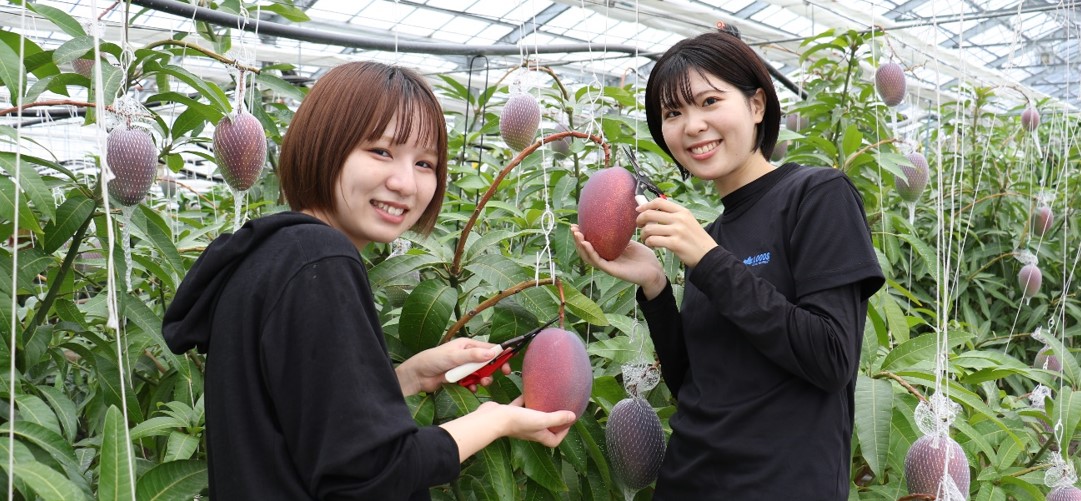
x=470, y=374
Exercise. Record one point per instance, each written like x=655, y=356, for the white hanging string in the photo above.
x=113, y=321
x=548, y=218
x=18, y=98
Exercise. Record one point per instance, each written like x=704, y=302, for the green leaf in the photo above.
x=27, y=220
x=212, y=92
x=874, y=411
x=279, y=86
x=390, y=271
x=181, y=446
x=895, y=317
x=32, y=185
x=926, y=253
x=69, y=217
x=583, y=307
x=61, y=19
x=425, y=315
x=496, y=471
x=173, y=481
x=47, y=483
x=499, y=271
x=10, y=72
x=35, y=410
x=916, y=350
x=852, y=140
x=538, y=465
x=159, y=426
x=66, y=412
x=209, y=113
x=115, y=480
x=289, y=12
x=48, y=440
x=73, y=49
x=618, y=349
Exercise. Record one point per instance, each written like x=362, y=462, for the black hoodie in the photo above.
x=302, y=401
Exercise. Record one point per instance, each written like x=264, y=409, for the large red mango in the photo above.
x=606, y=211
x=556, y=374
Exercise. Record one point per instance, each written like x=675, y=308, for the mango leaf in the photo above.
x=48, y=483
x=71, y=214
x=35, y=410
x=425, y=315
x=499, y=271
x=618, y=349
x=211, y=92
x=156, y=427
x=494, y=466
x=583, y=307
x=874, y=410
x=73, y=49
x=919, y=349
x=61, y=19
x=10, y=72
x=48, y=440
x=538, y=465
x=392, y=269
x=31, y=184
x=115, y=480
x=180, y=446
x=173, y=481
x=926, y=253
x=64, y=408
x=279, y=86
x=289, y=12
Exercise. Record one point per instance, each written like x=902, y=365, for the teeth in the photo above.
x=698, y=150
x=394, y=211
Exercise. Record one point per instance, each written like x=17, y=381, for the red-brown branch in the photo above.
x=488, y=303
x=456, y=267
x=54, y=102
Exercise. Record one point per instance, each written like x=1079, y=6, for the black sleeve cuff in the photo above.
x=442, y=462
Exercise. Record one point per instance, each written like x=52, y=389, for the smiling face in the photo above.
x=383, y=188
x=712, y=133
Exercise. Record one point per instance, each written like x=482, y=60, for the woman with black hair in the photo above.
x=763, y=353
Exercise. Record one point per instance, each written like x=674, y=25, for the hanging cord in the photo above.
x=18, y=97
x=113, y=321
x=548, y=218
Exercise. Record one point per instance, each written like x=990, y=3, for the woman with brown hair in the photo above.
x=302, y=400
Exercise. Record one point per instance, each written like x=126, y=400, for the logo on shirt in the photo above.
x=758, y=260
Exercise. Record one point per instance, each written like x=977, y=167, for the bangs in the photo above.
x=674, y=83
x=415, y=110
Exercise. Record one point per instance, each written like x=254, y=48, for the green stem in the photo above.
x=58, y=281
x=844, y=103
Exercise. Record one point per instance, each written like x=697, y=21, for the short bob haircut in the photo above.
x=720, y=54
x=350, y=104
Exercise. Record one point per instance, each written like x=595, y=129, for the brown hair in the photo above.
x=723, y=55
x=350, y=104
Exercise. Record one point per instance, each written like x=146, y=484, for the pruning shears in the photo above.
x=471, y=373
x=643, y=183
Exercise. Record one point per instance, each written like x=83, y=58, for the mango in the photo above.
x=556, y=373
x=606, y=212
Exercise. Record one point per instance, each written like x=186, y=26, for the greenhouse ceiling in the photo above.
x=1030, y=46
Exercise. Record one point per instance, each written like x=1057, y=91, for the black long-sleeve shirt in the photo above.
x=302, y=401
x=762, y=355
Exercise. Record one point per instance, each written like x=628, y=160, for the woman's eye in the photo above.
x=426, y=165
x=671, y=114
x=380, y=151
x=710, y=100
